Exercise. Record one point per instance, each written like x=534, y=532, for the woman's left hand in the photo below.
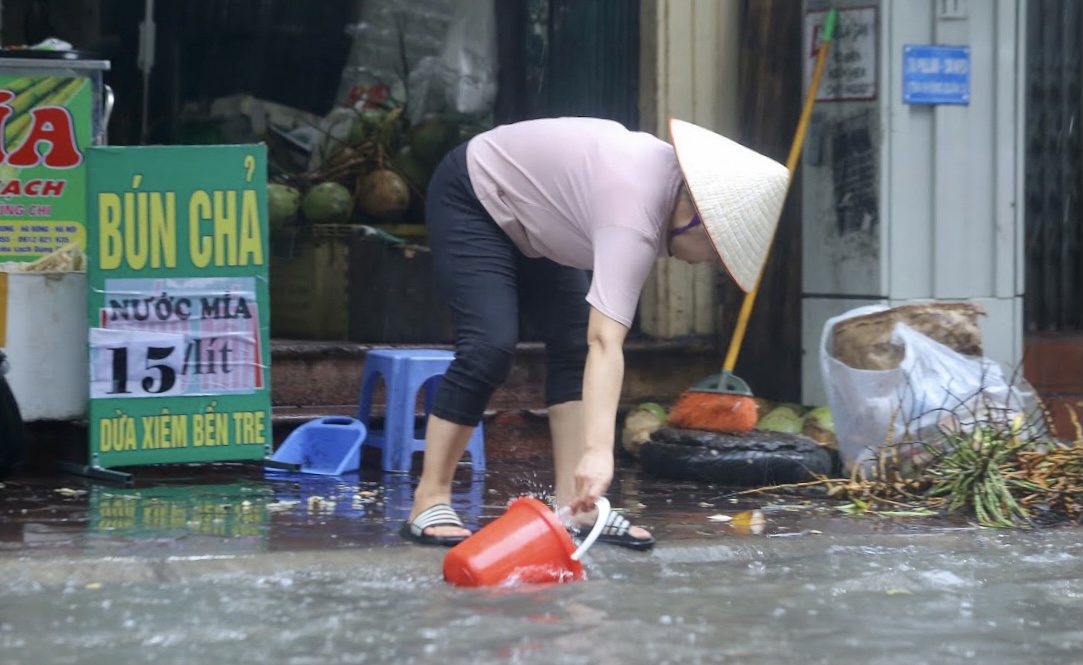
x=592, y=478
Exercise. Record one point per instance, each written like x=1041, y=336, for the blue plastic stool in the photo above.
x=326, y=446
x=405, y=373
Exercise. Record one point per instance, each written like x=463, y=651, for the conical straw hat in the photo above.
x=738, y=192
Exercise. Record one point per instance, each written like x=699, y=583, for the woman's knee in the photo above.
x=487, y=361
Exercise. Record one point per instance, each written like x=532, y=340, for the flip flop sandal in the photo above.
x=616, y=532
x=439, y=515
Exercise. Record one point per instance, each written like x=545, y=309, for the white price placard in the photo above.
x=135, y=363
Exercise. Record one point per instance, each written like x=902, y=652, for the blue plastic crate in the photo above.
x=326, y=447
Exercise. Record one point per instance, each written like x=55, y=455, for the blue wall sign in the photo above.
x=936, y=74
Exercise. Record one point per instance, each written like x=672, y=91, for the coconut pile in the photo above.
x=377, y=174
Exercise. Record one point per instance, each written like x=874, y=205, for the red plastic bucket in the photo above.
x=525, y=545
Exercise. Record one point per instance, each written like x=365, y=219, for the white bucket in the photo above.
x=46, y=344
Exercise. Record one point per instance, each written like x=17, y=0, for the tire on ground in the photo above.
x=755, y=459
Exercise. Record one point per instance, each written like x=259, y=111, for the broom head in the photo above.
x=727, y=413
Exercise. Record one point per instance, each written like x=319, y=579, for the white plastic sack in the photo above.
x=933, y=388
x=463, y=78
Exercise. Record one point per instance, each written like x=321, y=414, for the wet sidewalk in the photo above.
x=241, y=508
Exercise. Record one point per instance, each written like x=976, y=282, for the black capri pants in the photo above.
x=487, y=282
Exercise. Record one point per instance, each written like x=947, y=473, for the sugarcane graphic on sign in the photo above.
x=47, y=92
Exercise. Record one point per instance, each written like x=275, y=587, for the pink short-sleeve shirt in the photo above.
x=582, y=192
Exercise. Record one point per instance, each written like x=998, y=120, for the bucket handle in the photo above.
x=603, y=516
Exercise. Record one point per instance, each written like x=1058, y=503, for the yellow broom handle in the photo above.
x=791, y=164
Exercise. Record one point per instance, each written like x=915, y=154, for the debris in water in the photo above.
x=750, y=521
x=67, y=491
x=719, y=518
x=281, y=506
x=320, y=504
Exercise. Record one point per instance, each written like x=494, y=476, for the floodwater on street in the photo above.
x=221, y=564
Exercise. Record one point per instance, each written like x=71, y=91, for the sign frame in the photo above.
x=178, y=254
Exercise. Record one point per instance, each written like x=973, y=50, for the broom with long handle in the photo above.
x=723, y=402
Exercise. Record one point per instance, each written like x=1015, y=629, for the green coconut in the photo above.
x=639, y=424
x=781, y=419
x=819, y=425
x=370, y=125
x=283, y=202
x=796, y=408
x=657, y=409
x=431, y=138
x=822, y=417
x=411, y=168
x=327, y=203
x=383, y=195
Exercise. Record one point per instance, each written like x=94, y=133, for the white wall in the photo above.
x=690, y=72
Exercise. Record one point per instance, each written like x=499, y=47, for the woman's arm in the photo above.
x=603, y=379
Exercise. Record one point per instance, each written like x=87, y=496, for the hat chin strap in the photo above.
x=687, y=227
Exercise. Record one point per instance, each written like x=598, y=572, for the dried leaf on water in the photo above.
x=750, y=521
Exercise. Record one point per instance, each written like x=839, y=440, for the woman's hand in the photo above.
x=592, y=478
